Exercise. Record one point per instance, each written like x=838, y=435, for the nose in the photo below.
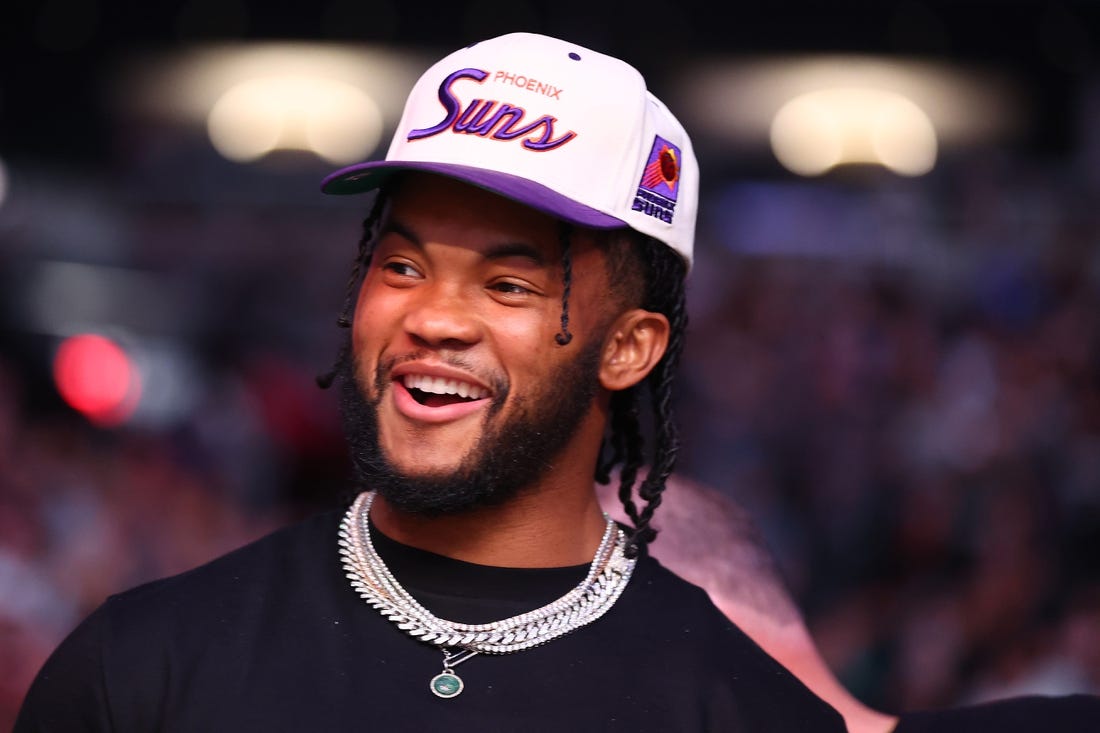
x=442, y=318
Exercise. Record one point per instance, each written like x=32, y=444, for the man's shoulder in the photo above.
x=665, y=589
x=281, y=556
x=226, y=602
x=677, y=620
x=672, y=602
x=186, y=636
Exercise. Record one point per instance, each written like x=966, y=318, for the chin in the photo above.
x=422, y=462
x=459, y=467
x=425, y=474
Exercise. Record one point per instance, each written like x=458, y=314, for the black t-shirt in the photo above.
x=273, y=638
x=1024, y=714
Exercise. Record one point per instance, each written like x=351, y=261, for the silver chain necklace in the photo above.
x=591, y=598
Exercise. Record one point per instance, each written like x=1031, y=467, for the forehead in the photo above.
x=436, y=208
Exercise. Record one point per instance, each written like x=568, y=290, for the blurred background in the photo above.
x=893, y=362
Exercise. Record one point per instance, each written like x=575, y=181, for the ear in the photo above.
x=635, y=343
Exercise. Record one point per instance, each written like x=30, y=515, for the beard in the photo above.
x=513, y=451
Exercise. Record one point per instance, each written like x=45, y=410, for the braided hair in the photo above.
x=371, y=226
x=660, y=274
x=647, y=274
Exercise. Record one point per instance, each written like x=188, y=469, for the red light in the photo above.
x=96, y=377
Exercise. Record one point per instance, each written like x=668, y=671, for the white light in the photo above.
x=902, y=136
x=326, y=116
x=737, y=101
x=807, y=137
x=332, y=99
x=817, y=131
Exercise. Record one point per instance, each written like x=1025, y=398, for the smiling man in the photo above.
x=458, y=396
x=516, y=306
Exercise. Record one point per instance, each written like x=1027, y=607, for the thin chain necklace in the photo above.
x=591, y=598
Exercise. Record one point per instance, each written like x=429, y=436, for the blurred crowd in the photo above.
x=85, y=513
x=917, y=435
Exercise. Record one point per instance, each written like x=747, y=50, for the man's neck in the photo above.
x=543, y=527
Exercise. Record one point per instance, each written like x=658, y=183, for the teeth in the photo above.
x=436, y=385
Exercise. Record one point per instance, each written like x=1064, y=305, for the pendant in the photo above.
x=446, y=684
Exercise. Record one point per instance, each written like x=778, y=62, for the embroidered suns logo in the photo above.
x=491, y=119
x=660, y=184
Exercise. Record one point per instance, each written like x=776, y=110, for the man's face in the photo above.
x=459, y=395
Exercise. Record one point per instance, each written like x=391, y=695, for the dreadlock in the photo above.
x=662, y=274
x=565, y=236
x=371, y=225
x=641, y=263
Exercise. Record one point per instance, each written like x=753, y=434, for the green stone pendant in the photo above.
x=446, y=684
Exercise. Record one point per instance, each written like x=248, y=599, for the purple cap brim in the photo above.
x=364, y=177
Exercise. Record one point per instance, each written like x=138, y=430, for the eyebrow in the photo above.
x=496, y=252
x=517, y=249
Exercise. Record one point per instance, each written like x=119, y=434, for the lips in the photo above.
x=438, y=394
x=440, y=391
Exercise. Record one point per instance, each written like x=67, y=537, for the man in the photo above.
x=523, y=271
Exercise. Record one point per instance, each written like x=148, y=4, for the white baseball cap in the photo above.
x=561, y=128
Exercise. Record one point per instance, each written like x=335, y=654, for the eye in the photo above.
x=400, y=269
x=509, y=288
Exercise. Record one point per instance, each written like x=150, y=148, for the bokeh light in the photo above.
x=328, y=117
x=96, y=377
x=817, y=131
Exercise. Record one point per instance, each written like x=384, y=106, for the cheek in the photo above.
x=526, y=350
x=359, y=325
x=372, y=319
x=527, y=336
